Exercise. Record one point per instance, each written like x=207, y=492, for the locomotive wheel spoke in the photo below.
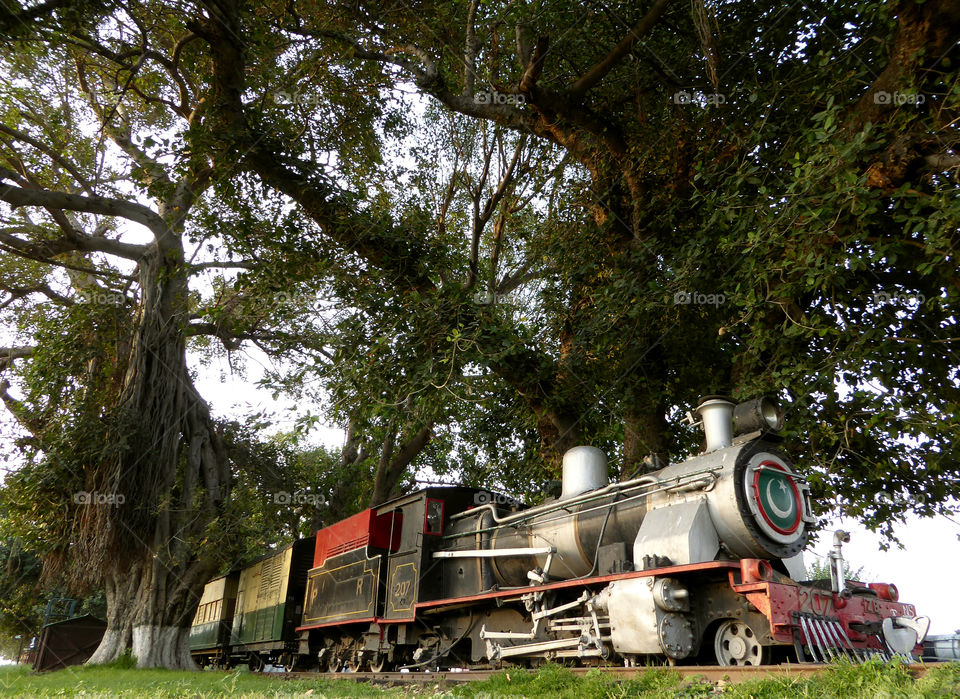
x=354, y=664
x=332, y=663
x=378, y=663
x=737, y=644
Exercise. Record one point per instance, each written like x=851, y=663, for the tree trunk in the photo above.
x=121, y=593
x=393, y=463
x=643, y=436
x=150, y=609
x=172, y=472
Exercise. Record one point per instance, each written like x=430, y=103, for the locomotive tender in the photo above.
x=697, y=560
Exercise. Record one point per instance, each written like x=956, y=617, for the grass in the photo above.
x=871, y=681
x=874, y=680
x=113, y=681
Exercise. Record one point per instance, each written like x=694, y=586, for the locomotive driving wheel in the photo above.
x=378, y=662
x=737, y=644
x=328, y=660
x=355, y=661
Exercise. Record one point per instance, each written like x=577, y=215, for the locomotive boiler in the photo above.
x=698, y=560
x=739, y=499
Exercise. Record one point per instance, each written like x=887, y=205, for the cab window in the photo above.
x=433, y=519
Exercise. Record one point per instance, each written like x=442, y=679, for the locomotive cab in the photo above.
x=371, y=571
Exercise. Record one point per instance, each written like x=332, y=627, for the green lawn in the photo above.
x=114, y=681
x=872, y=681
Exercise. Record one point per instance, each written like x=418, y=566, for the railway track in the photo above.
x=711, y=673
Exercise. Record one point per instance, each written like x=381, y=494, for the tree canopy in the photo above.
x=737, y=198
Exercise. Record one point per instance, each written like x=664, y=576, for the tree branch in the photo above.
x=45, y=251
x=375, y=239
x=175, y=209
x=8, y=354
x=470, y=51
x=10, y=22
x=535, y=65
x=19, y=292
x=596, y=73
x=427, y=77
x=105, y=206
x=51, y=153
x=216, y=264
x=233, y=340
x=392, y=465
x=16, y=407
x=121, y=137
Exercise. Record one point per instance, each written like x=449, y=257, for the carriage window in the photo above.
x=433, y=523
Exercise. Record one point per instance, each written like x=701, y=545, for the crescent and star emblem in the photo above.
x=773, y=503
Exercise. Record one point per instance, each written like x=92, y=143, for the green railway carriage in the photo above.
x=269, y=606
x=210, y=632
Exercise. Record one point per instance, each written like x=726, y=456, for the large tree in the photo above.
x=759, y=199
x=114, y=260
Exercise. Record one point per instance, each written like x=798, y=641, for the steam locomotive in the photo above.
x=699, y=561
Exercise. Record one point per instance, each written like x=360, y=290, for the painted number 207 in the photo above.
x=401, y=589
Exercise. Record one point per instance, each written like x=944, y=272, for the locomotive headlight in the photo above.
x=777, y=498
x=757, y=414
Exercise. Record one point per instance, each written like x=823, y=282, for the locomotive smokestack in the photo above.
x=584, y=469
x=757, y=414
x=716, y=415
